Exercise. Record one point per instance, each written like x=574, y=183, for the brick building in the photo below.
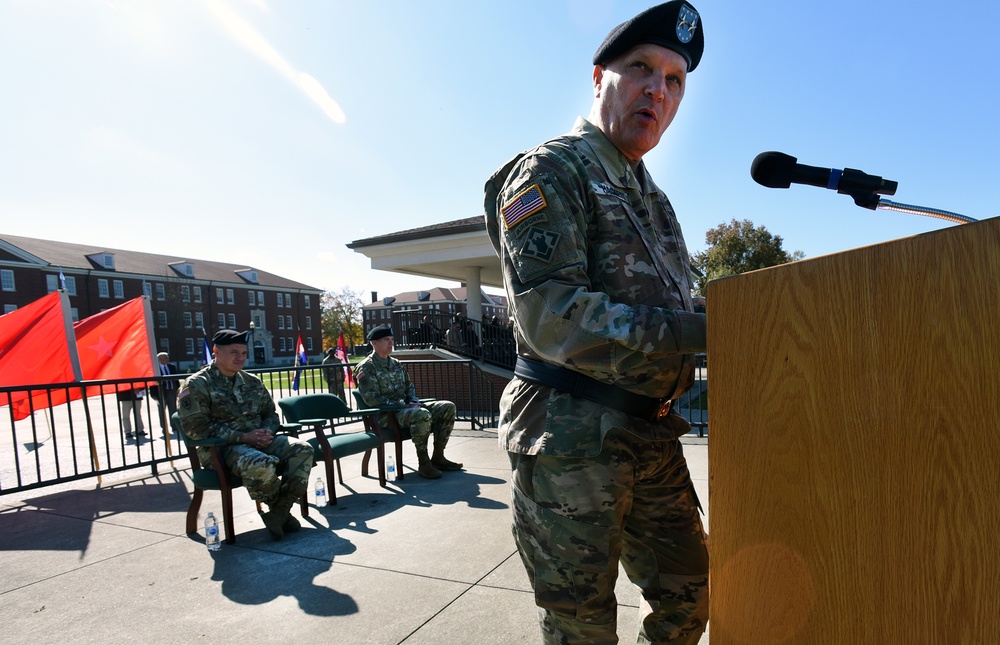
x=186, y=295
x=441, y=303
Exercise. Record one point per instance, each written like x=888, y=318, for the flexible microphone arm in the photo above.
x=889, y=205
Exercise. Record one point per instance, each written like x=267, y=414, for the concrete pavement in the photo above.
x=421, y=562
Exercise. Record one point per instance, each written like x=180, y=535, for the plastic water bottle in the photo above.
x=390, y=468
x=212, y=532
x=320, y=493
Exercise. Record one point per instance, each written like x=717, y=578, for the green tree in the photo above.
x=738, y=247
x=341, y=314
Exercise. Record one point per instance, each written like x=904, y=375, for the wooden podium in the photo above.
x=854, y=456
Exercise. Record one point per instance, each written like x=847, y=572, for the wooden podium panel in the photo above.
x=854, y=458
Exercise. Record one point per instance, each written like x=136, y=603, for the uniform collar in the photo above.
x=615, y=165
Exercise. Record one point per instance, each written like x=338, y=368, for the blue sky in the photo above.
x=272, y=133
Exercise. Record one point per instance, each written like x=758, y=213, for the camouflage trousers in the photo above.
x=575, y=519
x=276, y=475
x=437, y=417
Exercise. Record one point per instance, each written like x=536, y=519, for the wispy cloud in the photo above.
x=245, y=34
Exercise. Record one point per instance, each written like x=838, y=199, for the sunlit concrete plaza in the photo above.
x=419, y=562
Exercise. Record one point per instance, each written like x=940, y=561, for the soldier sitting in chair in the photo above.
x=221, y=400
x=383, y=382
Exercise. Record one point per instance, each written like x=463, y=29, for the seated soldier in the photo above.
x=383, y=382
x=221, y=400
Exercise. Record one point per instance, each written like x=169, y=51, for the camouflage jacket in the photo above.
x=212, y=405
x=599, y=281
x=384, y=382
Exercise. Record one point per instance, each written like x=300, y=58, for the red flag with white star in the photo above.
x=36, y=349
x=116, y=344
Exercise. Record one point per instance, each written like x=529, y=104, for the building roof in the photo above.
x=68, y=255
x=456, y=227
x=448, y=250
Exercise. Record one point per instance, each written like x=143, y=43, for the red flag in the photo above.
x=116, y=344
x=341, y=354
x=36, y=349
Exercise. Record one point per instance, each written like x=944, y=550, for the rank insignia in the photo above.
x=687, y=23
x=539, y=244
x=526, y=203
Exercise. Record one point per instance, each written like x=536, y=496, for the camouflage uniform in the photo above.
x=598, y=279
x=384, y=383
x=212, y=405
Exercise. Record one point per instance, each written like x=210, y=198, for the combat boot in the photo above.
x=291, y=490
x=441, y=462
x=291, y=524
x=427, y=470
x=274, y=521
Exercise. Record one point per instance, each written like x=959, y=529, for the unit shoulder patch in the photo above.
x=539, y=243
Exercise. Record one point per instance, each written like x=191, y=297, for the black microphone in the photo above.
x=778, y=170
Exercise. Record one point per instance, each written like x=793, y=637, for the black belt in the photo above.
x=565, y=380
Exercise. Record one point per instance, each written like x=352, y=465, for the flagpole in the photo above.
x=95, y=462
x=155, y=367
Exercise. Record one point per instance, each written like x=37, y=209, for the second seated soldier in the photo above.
x=221, y=400
x=384, y=383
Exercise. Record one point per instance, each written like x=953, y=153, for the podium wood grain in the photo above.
x=854, y=454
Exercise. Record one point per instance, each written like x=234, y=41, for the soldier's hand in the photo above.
x=260, y=438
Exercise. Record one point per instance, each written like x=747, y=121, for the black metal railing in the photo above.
x=491, y=341
x=85, y=437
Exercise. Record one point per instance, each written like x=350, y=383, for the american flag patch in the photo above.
x=527, y=202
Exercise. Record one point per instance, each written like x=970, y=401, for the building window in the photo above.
x=187, y=320
x=199, y=320
x=281, y=303
x=161, y=292
x=161, y=319
x=147, y=289
x=256, y=322
x=281, y=322
x=222, y=321
x=9, y=308
x=230, y=297
x=253, y=298
x=102, y=288
x=288, y=323
x=165, y=345
x=260, y=298
x=189, y=346
x=232, y=321
x=281, y=344
x=51, y=282
x=185, y=293
x=119, y=288
x=74, y=314
x=7, y=279
x=308, y=301
x=288, y=301
x=309, y=343
x=108, y=260
x=197, y=294
x=70, y=285
x=309, y=324
x=220, y=298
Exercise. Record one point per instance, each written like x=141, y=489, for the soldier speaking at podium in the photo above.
x=599, y=282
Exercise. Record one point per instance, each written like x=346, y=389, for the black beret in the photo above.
x=380, y=332
x=230, y=337
x=675, y=25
